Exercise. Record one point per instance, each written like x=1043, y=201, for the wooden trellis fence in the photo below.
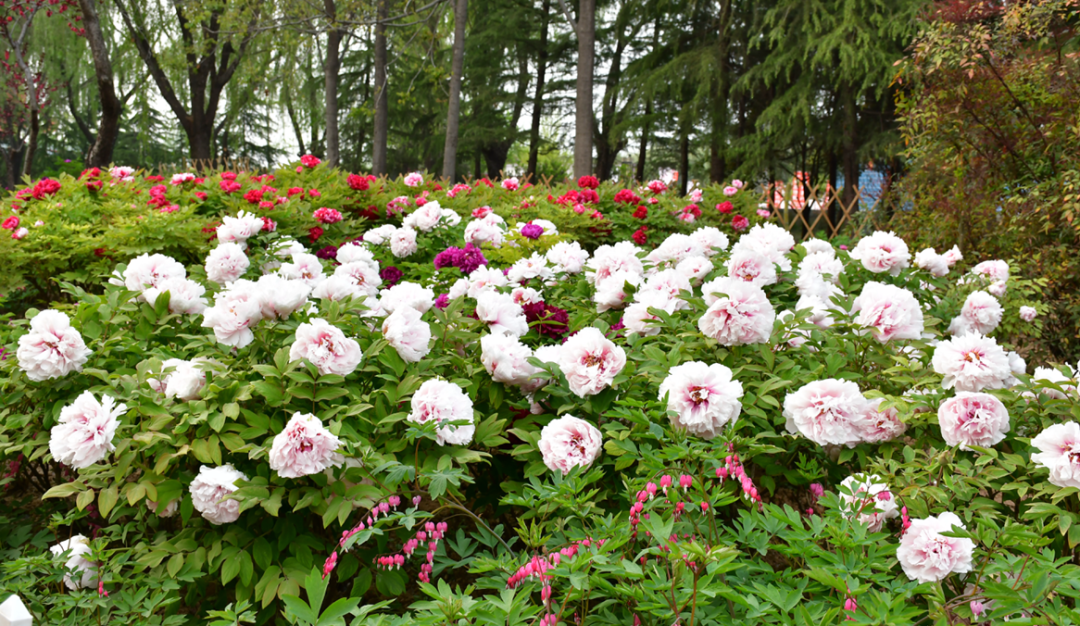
x=820, y=211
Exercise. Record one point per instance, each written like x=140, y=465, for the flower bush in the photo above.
x=721, y=429
x=79, y=228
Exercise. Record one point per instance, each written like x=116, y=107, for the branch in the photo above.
x=569, y=16
x=146, y=53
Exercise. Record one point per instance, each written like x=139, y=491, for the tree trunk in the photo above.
x=538, y=99
x=720, y=88
x=453, y=110
x=31, y=143
x=643, y=147
x=331, y=70
x=382, y=114
x=101, y=152
x=850, y=156
x=583, y=118
x=199, y=140
x=684, y=161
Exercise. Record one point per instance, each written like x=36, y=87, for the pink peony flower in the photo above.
x=930, y=261
x=609, y=260
x=510, y=184
x=973, y=419
x=327, y=216
x=444, y=402
x=882, y=252
x=892, y=312
x=751, y=266
x=867, y=499
x=827, y=412
x=971, y=363
x=1028, y=314
x=280, y=297
x=226, y=263
x=408, y=334
x=506, y=359
x=953, y=256
x=501, y=313
x=326, y=347
x=425, y=218
x=185, y=380
x=403, y=242
x=240, y=228
x=415, y=179
x=877, y=425
x=1059, y=452
x=567, y=442
x=743, y=316
x=305, y=267
x=980, y=315
x=210, y=489
x=85, y=431
x=489, y=229
x=304, y=448
x=730, y=190
x=81, y=572
x=701, y=398
x=408, y=294
x=52, y=348
x=185, y=296
x=590, y=362
x=928, y=556
x=995, y=270
x=234, y=312
x=150, y=270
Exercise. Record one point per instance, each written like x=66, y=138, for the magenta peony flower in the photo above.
x=892, y=312
x=444, y=402
x=532, y=231
x=391, y=275
x=327, y=347
x=52, y=348
x=743, y=316
x=882, y=252
x=971, y=363
x=973, y=419
x=304, y=448
x=408, y=334
x=928, y=556
x=1059, y=452
x=567, y=442
x=590, y=362
x=85, y=431
x=701, y=398
x=209, y=490
x=827, y=412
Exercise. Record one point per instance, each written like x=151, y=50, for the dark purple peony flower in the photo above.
x=449, y=257
x=532, y=231
x=329, y=252
x=546, y=319
x=470, y=258
x=390, y=275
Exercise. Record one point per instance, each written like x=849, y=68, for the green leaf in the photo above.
x=333, y=613
x=300, y=609
x=84, y=499
x=315, y=586
x=107, y=500
x=62, y=491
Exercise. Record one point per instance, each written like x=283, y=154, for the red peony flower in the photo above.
x=315, y=233
x=625, y=196
x=10, y=223
x=740, y=223
x=588, y=182
x=327, y=216
x=309, y=160
x=640, y=238
x=357, y=182
x=641, y=212
x=725, y=207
